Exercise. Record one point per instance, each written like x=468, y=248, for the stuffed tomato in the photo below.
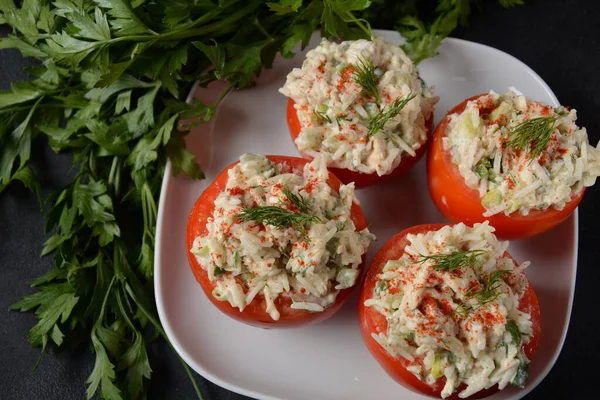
x=447, y=312
x=361, y=105
x=518, y=163
x=277, y=241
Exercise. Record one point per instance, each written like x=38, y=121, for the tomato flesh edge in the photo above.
x=254, y=313
x=460, y=203
x=360, y=179
x=373, y=322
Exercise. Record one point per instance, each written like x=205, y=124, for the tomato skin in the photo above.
x=461, y=203
x=360, y=179
x=254, y=313
x=373, y=322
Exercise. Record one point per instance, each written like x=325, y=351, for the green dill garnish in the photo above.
x=108, y=89
x=462, y=309
x=378, y=121
x=277, y=217
x=532, y=134
x=365, y=76
x=409, y=336
x=452, y=261
x=489, y=291
x=219, y=271
x=297, y=200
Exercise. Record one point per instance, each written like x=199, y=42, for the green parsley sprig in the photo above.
x=424, y=37
x=109, y=89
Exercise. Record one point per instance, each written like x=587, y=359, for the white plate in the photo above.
x=329, y=360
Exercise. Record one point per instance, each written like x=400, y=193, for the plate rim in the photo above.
x=198, y=368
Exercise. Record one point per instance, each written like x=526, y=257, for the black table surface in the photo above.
x=559, y=39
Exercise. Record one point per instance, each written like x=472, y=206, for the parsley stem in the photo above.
x=105, y=301
x=206, y=17
x=212, y=27
x=121, y=303
x=223, y=94
x=186, y=32
x=360, y=24
x=152, y=318
x=260, y=27
x=114, y=176
x=188, y=371
x=27, y=108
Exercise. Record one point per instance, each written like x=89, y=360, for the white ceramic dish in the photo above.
x=329, y=360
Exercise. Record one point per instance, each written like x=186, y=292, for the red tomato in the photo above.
x=461, y=203
x=254, y=313
x=360, y=179
x=373, y=322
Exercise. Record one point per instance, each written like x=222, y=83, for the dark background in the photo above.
x=559, y=39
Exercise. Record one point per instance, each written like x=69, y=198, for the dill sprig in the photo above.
x=297, y=199
x=365, y=76
x=278, y=217
x=463, y=309
x=490, y=283
x=532, y=134
x=378, y=121
x=452, y=261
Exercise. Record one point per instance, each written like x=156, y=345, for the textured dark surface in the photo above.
x=560, y=40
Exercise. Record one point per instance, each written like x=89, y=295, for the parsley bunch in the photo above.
x=109, y=89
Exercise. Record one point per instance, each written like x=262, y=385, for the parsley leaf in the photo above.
x=423, y=37
x=109, y=90
x=511, y=3
x=16, y=145
x=337, y=14
x=103, y=374
x=53, y=304
x=216, y=55
x=14, y=42
x=19, y=94
x=28, y=178
x=284, y=6
x=124, y=19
